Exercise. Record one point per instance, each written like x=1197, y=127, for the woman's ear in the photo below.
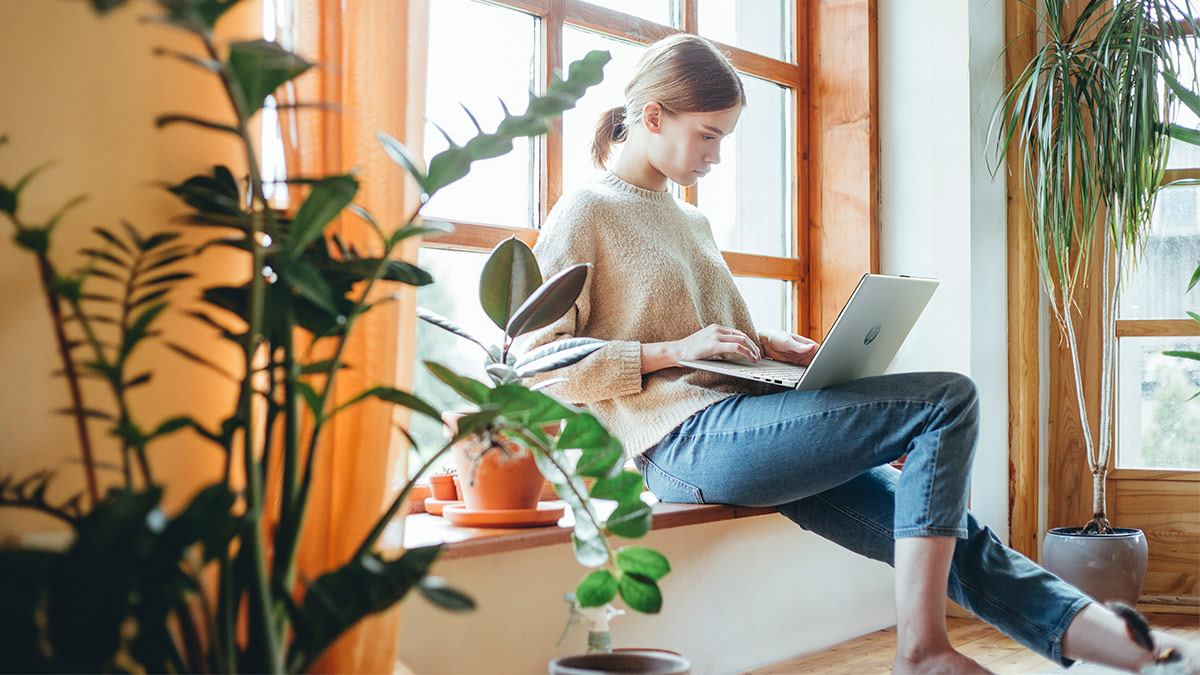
x=652, y=117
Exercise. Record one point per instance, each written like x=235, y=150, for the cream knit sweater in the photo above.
x=657, y=276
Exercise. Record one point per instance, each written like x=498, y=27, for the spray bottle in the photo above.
x=599, y=637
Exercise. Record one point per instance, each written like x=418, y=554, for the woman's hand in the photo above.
x=783, y=346
x=712, y=340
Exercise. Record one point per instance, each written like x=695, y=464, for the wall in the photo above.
x=943, y=215
x=84, y=91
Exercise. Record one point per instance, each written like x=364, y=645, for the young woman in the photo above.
x=660, y=292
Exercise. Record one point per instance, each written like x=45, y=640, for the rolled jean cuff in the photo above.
x=956, y=532
x=1060, y=632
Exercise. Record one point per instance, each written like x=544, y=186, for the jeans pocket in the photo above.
x=666, y=487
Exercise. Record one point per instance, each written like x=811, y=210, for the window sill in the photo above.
x=423, y=529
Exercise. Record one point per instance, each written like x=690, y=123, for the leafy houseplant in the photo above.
x=215, y=587
x=511, y=416
x=1091, y=121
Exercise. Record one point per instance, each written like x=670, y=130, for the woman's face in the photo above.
x=684, y=146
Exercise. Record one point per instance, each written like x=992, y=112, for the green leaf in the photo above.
x=139, y=329
x=171, y=425
x=434, y=227
x=549, y=302
x=1186, y=96
x=627, y=486
x=644, y=561
x=557, y=354
x=437, y=591
x=311, y=397
x=1195, y=279
x=590, y=552
x=603, y=462
x=33, y=239
x=179, y=118
x=113, y=239
x=326, y=200
x=509, y=277
x=8, y=200
x=302, y=277
x=446, y=324
x=397, y=397
x=193, y=14
x=470, y=389
x=259, y=68
x=337, y=600
x=640, y=593
x=1195, y=356
x=1185, y=135
x=583, y=431
x=323, y=367
x=400, y=155
x=630, y=520
x=596, y=589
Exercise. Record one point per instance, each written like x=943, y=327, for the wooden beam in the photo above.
x=1020, y=22
x=1157, y=328
x=623, y=26
x=843, y=170
x=477, y=237
x=762, y=266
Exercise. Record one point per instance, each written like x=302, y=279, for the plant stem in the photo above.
x=382, y=523
x=60, y=336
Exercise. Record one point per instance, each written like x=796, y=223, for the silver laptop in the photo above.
x=863, y=341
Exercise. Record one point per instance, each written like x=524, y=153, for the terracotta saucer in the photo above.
x=546, y=513
x=435, y=506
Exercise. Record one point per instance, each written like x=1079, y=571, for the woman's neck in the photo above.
x=634, y=168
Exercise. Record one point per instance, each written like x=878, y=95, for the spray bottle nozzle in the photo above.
x=599, y=637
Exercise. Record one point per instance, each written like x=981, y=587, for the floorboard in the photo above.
x=873, y=653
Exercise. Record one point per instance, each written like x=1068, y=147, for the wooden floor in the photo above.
x=873, y=653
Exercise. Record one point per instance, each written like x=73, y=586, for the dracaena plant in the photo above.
x=214, y=588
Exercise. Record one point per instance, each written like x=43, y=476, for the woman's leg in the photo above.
x=776, y=449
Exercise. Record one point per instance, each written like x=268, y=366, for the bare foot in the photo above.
x=942, y=661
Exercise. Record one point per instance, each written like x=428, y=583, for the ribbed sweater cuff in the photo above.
x=628, y=376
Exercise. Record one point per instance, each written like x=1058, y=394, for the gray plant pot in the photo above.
x=1106, y=567
x=652, y=662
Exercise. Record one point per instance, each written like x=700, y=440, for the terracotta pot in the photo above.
x=498, y=481
x=622, y=661
x=1105, y=566
x=443, y=487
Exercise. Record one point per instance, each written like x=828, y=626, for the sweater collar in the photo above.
x=612, y=180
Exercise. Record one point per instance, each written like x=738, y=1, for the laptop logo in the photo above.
x=872, y=334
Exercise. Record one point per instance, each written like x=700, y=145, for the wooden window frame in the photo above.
x=554, y=16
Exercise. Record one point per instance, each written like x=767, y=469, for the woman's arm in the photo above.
x=712, y=340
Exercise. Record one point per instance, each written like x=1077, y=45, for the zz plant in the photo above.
x=214, y=588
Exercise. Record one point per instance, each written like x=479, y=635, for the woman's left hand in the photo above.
x=789, y=347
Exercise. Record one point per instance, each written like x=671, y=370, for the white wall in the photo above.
x=942, y=213
x=741, y=594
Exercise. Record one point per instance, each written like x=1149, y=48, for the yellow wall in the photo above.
x=84, y=90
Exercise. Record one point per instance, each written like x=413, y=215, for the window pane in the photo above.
x=746, y=196
x=1157, y=426
x=1156, y=289
x=453, y=294
x=769, y=301
x=579, y=123
x=762, y=26
x=500, y=63
x=658, y=11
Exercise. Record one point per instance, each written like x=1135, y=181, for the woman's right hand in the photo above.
x=712, y=340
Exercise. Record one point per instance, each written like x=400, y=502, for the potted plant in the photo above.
x=498, y=474
x=215, y=587
x=442, y=485
x=1090, y=121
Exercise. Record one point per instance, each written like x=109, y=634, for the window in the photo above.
x=1157, y=426
x=749, y=198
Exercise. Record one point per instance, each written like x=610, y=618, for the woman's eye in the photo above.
x=710, y=138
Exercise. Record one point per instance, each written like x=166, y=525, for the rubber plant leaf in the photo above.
x=549, y=302
x=509, y=277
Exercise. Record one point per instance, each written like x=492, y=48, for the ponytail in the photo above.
x=610, y=128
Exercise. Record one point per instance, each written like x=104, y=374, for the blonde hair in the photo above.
x=683, y=73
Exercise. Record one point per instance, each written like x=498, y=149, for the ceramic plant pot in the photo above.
x=653, y=662
x=500, y=481
x=1106, y=566
x=443, y=488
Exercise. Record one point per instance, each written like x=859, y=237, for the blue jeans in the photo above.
x=821, y=457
